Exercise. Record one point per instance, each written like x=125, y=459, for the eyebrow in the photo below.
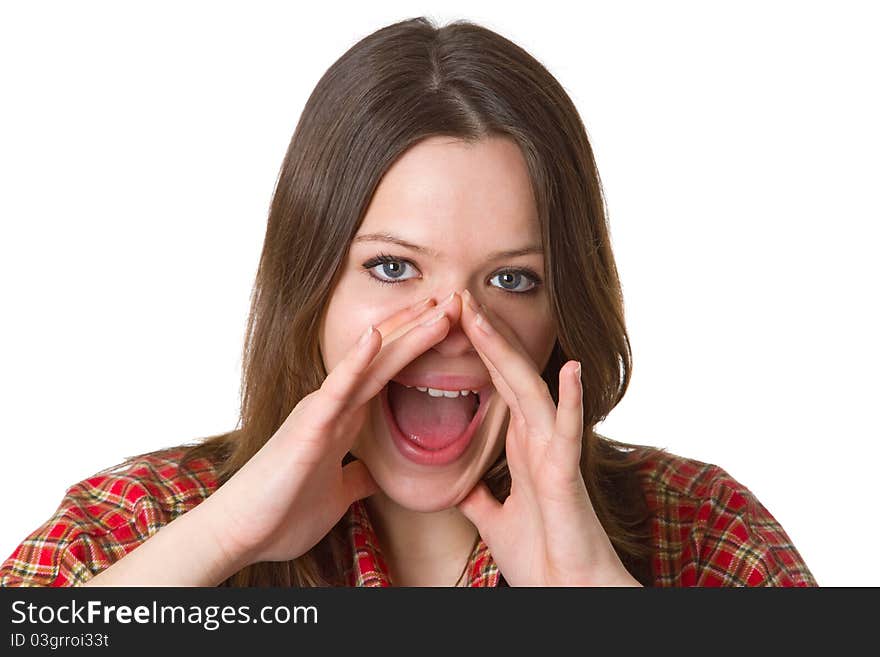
x=393, y=239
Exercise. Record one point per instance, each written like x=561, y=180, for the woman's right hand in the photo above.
x=290, y=494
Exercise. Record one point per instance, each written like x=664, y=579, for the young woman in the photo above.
x=436, y=328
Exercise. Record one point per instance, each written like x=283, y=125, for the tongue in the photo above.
x=432, y=422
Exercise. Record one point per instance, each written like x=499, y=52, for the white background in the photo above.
x=738, y=148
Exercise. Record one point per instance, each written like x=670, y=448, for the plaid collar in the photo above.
x=370, y=569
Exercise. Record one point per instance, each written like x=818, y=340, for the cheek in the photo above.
x=349, y=314
x=538, y=339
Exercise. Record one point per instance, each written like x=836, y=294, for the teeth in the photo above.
x=434, y=392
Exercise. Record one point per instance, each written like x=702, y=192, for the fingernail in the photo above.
x=362, y=341
x=483, y=323
x=418, y=305
x=433, y=320
x=447, y=299
x=469, y=300
x=577, y=371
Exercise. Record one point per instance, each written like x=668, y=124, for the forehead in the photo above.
x=445, y=192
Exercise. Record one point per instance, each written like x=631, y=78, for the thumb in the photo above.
x=481, y=508
x=357, y=481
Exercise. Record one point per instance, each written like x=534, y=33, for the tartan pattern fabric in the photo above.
x=708, y=529
x=104, y=517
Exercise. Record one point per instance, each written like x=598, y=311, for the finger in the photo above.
x=413, y=322
x=346, y=385
x=503, y=389
x=497, y=379
x=496, y=323
x=357, y=481
x=568, y=432
x=482, y=509
x=495, y=341
x=404, y=317
x=401, y=350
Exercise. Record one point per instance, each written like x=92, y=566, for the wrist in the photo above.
x=188, y=551
x=224, y=557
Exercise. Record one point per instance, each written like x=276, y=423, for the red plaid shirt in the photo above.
x=708, y=529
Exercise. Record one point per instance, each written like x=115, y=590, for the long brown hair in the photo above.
x=399, y=85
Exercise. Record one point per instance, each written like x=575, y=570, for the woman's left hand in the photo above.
x=546, y=532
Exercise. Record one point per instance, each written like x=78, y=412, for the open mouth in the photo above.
x=433, y=426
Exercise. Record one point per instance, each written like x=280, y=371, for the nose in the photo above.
x=456, y=342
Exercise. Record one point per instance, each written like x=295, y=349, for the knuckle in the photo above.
x=372, y=382
x=329, y=393
x=539, y=389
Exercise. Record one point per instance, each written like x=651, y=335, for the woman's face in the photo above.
x=460, y=203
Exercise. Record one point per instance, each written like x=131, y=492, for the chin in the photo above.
x=424, y=496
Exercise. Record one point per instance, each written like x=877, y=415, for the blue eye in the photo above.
x=393, y=268
x=514, y=277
